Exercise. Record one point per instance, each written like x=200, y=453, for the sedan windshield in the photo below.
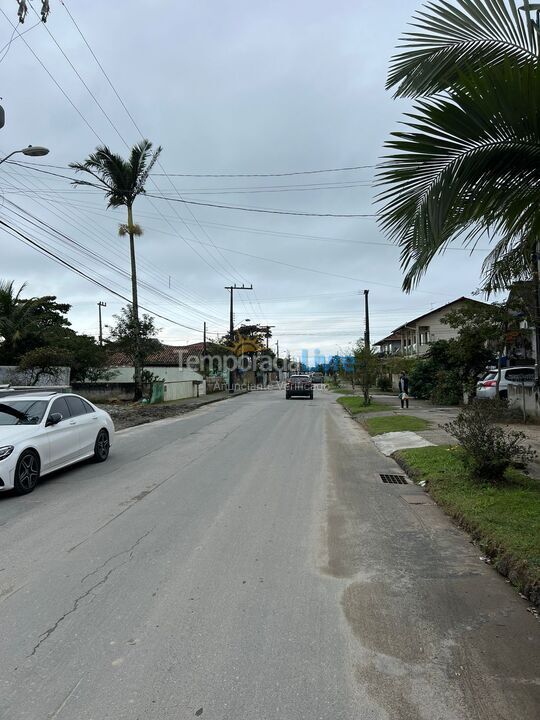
x=22, y=412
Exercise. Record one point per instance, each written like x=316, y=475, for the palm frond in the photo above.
x=121, y=180
x=449, y=41
x=466, y=165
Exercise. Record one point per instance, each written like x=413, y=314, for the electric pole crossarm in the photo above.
x=231, y=289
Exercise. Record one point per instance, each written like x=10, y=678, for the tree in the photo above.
x=15, y=318
x=466, y=164
x=123, y=181
x=44, y=361
x=28, y=324
x=136, y=339
x=89, y=361
x=485, y=324
x=367, y=366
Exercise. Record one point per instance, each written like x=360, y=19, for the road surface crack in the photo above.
x=113, y=557
x=47, y=634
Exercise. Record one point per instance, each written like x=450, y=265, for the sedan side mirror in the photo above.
x=54, y=419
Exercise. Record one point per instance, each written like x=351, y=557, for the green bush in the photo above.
x=422, y=380
x=489, y=450
x=448, y=388
x=384, y=383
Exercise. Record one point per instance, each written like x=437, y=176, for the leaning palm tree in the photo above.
x=122, y=181
x=466, y=164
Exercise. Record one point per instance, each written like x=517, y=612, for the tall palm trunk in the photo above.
x=137, y=360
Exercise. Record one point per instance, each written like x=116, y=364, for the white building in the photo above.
x=417, y=335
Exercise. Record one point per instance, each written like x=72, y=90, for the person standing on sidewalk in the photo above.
x=404, y=390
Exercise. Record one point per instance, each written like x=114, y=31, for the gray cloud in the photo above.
x=224, y=87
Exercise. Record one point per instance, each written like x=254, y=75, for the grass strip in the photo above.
x=355, y=405
x=395, y=423
x=503, y=519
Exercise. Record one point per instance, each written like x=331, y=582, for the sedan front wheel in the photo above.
x=26, y=472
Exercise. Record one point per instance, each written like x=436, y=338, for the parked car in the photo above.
x=299, y=385
x=487, y=388
x=43, y=432
x=317, y=378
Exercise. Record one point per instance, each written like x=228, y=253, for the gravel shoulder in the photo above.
x=126, y=415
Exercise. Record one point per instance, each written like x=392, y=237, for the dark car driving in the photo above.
x=299, y=385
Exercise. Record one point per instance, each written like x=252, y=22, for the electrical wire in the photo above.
x=265, y=210
x=108, y=250
x=278, y=174
x=159, y=162
x=29, y=241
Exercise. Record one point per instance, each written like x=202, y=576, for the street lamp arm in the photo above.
x=8, y=156
x=31, y=151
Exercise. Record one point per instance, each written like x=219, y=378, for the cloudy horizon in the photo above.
x=226, y=89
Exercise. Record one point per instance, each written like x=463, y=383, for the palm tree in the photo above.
x=122, y=181
x=16, y=316
x=467, y=163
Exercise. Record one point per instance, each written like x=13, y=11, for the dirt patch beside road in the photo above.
x=125, y=415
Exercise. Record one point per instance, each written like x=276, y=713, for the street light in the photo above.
x=31, y=151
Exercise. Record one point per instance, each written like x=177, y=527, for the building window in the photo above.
x=424, y=335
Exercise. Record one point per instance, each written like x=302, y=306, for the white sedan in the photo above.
x=43, y=432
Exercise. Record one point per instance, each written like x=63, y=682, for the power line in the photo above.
x=99, y=138
x=264, y=210
x=107, y=247
x=24, y=238
x=93, y=256
x=55, y=81
x=278, y=174
x=159, y=162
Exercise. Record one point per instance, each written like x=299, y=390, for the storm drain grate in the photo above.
x=395, y=479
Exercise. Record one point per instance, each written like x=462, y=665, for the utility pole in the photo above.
x=204, y=338
x=100, y=305
x=231, y=289
x=367, y=350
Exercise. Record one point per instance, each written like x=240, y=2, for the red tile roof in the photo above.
x=168, y=355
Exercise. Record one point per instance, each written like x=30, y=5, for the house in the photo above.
x=416, y=335
x=179, y=366
x=390, y=345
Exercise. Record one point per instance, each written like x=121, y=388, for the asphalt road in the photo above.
x=245, y=562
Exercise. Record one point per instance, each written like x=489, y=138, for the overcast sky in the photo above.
x=237, y=87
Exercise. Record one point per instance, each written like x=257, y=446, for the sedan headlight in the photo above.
x=5, y=451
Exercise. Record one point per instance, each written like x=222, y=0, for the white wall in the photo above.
x=524, y=398
x=169, y=374
x=178, y=390
x=10, y=374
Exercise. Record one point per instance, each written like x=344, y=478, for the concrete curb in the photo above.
x=505, y=564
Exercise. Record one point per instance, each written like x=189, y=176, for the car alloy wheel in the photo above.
x=102, y=446
x=26, y=472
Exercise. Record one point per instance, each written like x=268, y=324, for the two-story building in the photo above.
x=416, y=335
x=390, y=345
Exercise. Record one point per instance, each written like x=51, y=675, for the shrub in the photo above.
x=384, y=383
x=489, y=449
x=448, y=389
x=422, y=380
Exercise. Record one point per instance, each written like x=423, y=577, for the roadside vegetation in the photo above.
x=395, y=423
x=355, y=405
x=504, y=518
